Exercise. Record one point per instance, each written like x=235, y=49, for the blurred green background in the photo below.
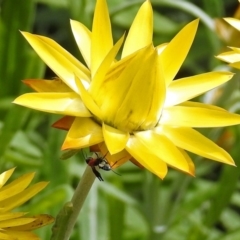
x=136, y=205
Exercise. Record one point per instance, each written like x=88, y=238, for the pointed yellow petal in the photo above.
x=146, y=158
x=5, y=176
x=116, y=68
x=22, y=197
x=98, y=92
x=235, y=65
x=39, y=221
x=84, y=132
x=234, y=22
x=42, y=85
x=101, y=35
x=58, y=59
x=16, y=186
x=115, y=139
x=161, y=146
x=235, y=49
x=99, y=77
x=161, y=47
x=184, y=89
x=82, y=36
x=11, y=215
x=176, y=51
x=193, y=141
x=60, y=103
x=229, y=57
x=158, y=96
x=15, y=222
x=202, y=105
x=197, y=117
x=189, y=160
x=140, y=33
x=87, y=99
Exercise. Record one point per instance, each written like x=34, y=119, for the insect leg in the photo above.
x=97, y=174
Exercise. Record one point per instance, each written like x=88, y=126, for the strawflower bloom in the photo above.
x=16, y=225
x=130, y=108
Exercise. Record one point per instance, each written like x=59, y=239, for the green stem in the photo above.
x=188, y=7
x=67, y=217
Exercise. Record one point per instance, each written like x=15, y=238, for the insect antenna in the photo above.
x=116, y=173
x=113, y=170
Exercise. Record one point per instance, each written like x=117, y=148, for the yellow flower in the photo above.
x=15, y=225
x=233, y=56
x=130, y=107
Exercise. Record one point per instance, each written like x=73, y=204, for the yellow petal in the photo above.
x=118, y=88
x=82, y=36
x=101, y=35
x=176, y=51
x=87, y=99
x=235, y=49
x=42, y=85
x=97, y=91
x=158, y=96
x=16, y=186
x=5, y=176
x=202, y=105
x=84, y=132
x=184, y=89
x=21, y=235
x=235, y=65
x=140, y=33
x=99, y=77
x=39, y=221
x=15, y=222
x=11, y=215
x=22, y=197
x=161, y=47
x=137, y=94
x=138, y=101
x=115, y=139
x=197, y=117
x=189, y=160
x=234, y=22
x=146, y=158
x=68, y=103
x=229, y=57
x=193, y=141
x=4, y=236
x=236, y=62
x=58, y=59
x=161, y=146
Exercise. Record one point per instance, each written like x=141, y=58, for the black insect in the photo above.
x=100, y=162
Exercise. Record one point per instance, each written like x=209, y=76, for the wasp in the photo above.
x=100, y=162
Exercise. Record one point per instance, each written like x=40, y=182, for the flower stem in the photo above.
x=67, y=217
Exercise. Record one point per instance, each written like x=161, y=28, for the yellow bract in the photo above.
x=130, y=107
